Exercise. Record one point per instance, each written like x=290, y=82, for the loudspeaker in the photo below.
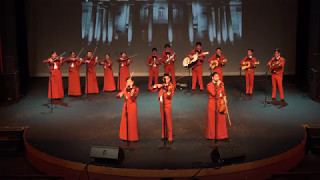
x=313, y=138
x=11, y=141
x=228, y=154
x=10, y=89
x=106, y=154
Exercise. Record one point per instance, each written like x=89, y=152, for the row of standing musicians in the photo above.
x=216, y=127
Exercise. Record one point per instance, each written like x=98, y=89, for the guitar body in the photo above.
x=216, y=63
x=247, y=65
x=193, y=61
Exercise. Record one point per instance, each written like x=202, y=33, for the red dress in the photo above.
x=108, y=84
x=197, y=70
x=167, y=99
x=74, y=88
x=132, y=116
x=91, y=78
x=215, y=118
x=219, y=68
x=153, y=70
x=124, y=73
x=55, y=79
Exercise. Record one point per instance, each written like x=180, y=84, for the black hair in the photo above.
x=154, y=49
x=107, y=54
x=166, y=74
x=214, y=73
x=250, y=50
x=199, y=43
x=122, y=52
x=277, y=50
x=72, y=52
x=218, y=48
x=167, y=45
x=53, y=52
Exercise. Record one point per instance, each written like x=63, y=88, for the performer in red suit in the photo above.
x=91, y=78
x=74, y=63
x=55, y=79
x=216, y=127
x=153, y=62
x=124, y=71
x=130, y=93
x=218, y=61
x=165, y=97
x=276, y=66
x=108, y=84
x=250, y=63
x=197, y=69
x=168, y=59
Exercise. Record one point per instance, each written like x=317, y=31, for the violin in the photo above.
x=223, y=107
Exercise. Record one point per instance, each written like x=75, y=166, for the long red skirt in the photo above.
x=124, y=73
x=132, y=123
x=220, y=132
x=74, y=83
x=109, y=84
x=91, y=82
x=57, y=85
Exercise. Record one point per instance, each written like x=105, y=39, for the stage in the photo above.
x=76, y=123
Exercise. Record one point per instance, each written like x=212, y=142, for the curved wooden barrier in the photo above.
x=259, y=169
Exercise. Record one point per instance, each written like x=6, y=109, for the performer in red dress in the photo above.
x=55, y=79
x=130, y=93
x=216, y=127
x=108, y=84
x=217, y=62
x=276, y=66
x=124, y=71
x=165, y=98
x=197, y=69
x=91, y=78
x=249, y=63
x=74, y=63
x=168, y=59
x=153, y=62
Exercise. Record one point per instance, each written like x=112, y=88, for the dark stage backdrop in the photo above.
x=137, y=26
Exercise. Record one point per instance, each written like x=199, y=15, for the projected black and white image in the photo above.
x=215, y=21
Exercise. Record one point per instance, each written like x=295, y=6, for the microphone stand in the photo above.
x=127, y=124
x=216, y=113
x=240, y=92
x=50, y=79
x=119, y=76
x=265, y=89
x=164, y=124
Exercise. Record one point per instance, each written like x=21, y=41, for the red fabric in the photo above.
x=132, y=117
x=221, y=128
x=124, y=73
x=167, y=110
x=282, y=62
x=249, y=73
x=91, y=79
x=197, y=71
x=153, y=71
x=249, y=81
x=219, y=68
x=277, y=81
x=74, y=88
x=109, y=84
x=55, y=79
x=169, y=67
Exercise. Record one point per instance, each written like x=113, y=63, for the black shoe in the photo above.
x=273, y=99
x=282, y=100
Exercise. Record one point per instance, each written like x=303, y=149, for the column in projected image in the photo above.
x=220, y=19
